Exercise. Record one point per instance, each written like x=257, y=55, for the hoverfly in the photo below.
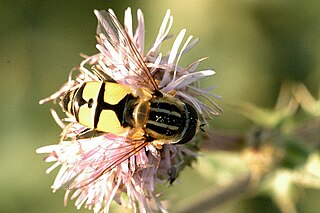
x=141, y=113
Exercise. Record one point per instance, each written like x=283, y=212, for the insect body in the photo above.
x=119, y=109
x=138, y=112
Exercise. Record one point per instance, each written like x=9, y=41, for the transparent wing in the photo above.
x=101, y=160
x=121, y=51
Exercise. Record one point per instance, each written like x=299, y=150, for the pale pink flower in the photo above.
x=84, y=161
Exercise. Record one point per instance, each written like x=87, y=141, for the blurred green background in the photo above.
x=253, y=46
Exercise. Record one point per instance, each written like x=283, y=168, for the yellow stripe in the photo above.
x=166, y=111
x=163, y=125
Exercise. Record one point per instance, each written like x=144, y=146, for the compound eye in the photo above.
x=90, y=103
x=192, y=121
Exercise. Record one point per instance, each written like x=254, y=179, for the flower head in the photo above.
x=98, y=167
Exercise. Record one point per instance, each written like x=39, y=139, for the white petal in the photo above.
x=163, y=32
x=50, y=159
x=46, y=149
x=189, y=79
x=156, y=63
x=179, y=56
x=52, y=167
x=175, y=47
x=191, y=45
x=139, y=35
x=128, y=22
x=191, y=99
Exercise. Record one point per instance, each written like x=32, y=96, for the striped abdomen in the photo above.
x=171, y=120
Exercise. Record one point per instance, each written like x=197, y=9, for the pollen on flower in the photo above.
x=97, y=166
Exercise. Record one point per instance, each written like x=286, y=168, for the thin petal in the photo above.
x=175, y=47
x=188, y=79
x=163, y=32
x=128, y=22
x=139, y=35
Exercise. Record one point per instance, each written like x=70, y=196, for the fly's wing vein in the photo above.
x=117, y=40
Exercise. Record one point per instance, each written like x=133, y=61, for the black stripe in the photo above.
x=118, y=108
x=165, y=118
x=99, y=108
x=164, y=105
x=78, y=102
x=66, y=101
x=161, y=130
